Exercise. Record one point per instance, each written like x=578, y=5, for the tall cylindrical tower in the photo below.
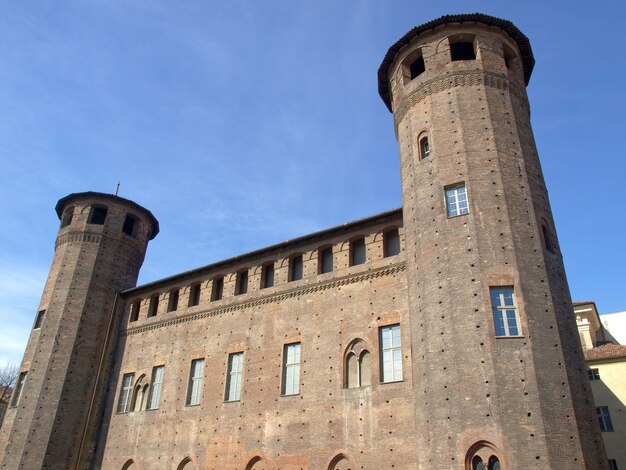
x=499, y=373
x=99, y=249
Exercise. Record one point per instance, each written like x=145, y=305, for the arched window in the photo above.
x=357, y=365
x=424, y=148
x=256, y=463
x=477, y=463
x=129, y=465
x=341, y=462
x=482, y=456
x=185, y=464
x=494, y=463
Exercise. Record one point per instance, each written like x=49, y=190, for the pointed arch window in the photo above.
x=357, y=366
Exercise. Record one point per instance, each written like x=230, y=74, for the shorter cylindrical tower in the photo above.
x=99, y=250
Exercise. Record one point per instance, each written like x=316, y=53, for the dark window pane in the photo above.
x=134, y=310
x=130, y=226
x=173, y=301
x=242, y=283
x=462, y=51
x=392, y=243
x=68, y=215
x=296, y=268
x=39, y=319
x=97, y=215
x=326, y=260
x=417, y=67
x=268, y=275
x=218, y=289
x=154, y=306
x=357, y=252
x=194, y=295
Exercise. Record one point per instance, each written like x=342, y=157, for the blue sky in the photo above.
x=243, y=124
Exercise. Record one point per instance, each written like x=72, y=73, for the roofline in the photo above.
x=522, y=42
x=63, y=202
x=276, y=247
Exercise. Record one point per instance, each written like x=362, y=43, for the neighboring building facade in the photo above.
x=606, y=360
x=615, y=326
x=435, y=336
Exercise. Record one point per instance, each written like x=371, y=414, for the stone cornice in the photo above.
x=276, y=297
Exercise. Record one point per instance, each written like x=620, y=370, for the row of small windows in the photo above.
x=139, y=396
x=97, y=216
x=358, y=255
x=460, y=50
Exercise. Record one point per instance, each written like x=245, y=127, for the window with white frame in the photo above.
x=456, y=200
x=391, y=352
x=196, y=376
x=505, y=315
x=126, y=392
x=605, y=418
x=233, y=378
x=291, y=369
x=18, y=389
x=155, y=387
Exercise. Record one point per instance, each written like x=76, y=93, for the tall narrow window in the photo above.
x=218, y=289
x=196, y=376
x=233, y=379
x=325, y=260
x=68, y=216
x=291, y=369
x=391, y=353
x=358, y=368
x=18, y=389
x=295, y=268
x=172, y=303
x=391, y=241
x=134, y=310
x=478, y=464
x=417, y=67
x=604, y=418
x=194, y=295
x=462, y=50
x=494, y=463
x=547, y=238
x=242, y=283
x=123, y=404
x=97, y=215
x=155, y=387
x=39, y=319
x=612, y=464
x=267, y=276
x=505, y=315
x=456, y=200
x=357, y=251
x=130, y=225
x=424, y=148
x=154, y=305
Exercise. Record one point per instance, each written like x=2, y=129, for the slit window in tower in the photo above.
x=295, y=268
x=154, y=306
x=172, y=303
x=39, y=319
x=547, y=238
x=233, y=377
x=130, y=226
x=424, y=148
x=267, y=276
x=123, y=404
x=18, y=389
x=194, y=295
x=196, y=377
x=242, y=283
x=325, y=260
x=217, y=291
x=391, y=242
x=155, y=387
x=134, y=310
x=68, y=215
x=358, y=253
x=505, y=315
x=417, y=67
x=391, y=354
x=456, y=200
x=462, y=50
x=97, y=215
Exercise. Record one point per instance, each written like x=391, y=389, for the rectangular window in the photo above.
x=504, y=309
x=126, y=392
x=291, y=369
x=391, y=352
x=357, y=252
x=325, y=260
x=97, y=215
x=196, y=376
x=154, y=306
x=172, y=304
x=155, y=387
x=242, y=283
x=594, y=374
x=194, y=295
x=233, y=379
x=295, y=268
x=39, y=319
x=605, y=418
x=218, y=289
x=130, y=226
x=267, y=276
x=391, y=241
x=462, y=50
x=456, y=200
x=134, y=310
x=18, y=389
